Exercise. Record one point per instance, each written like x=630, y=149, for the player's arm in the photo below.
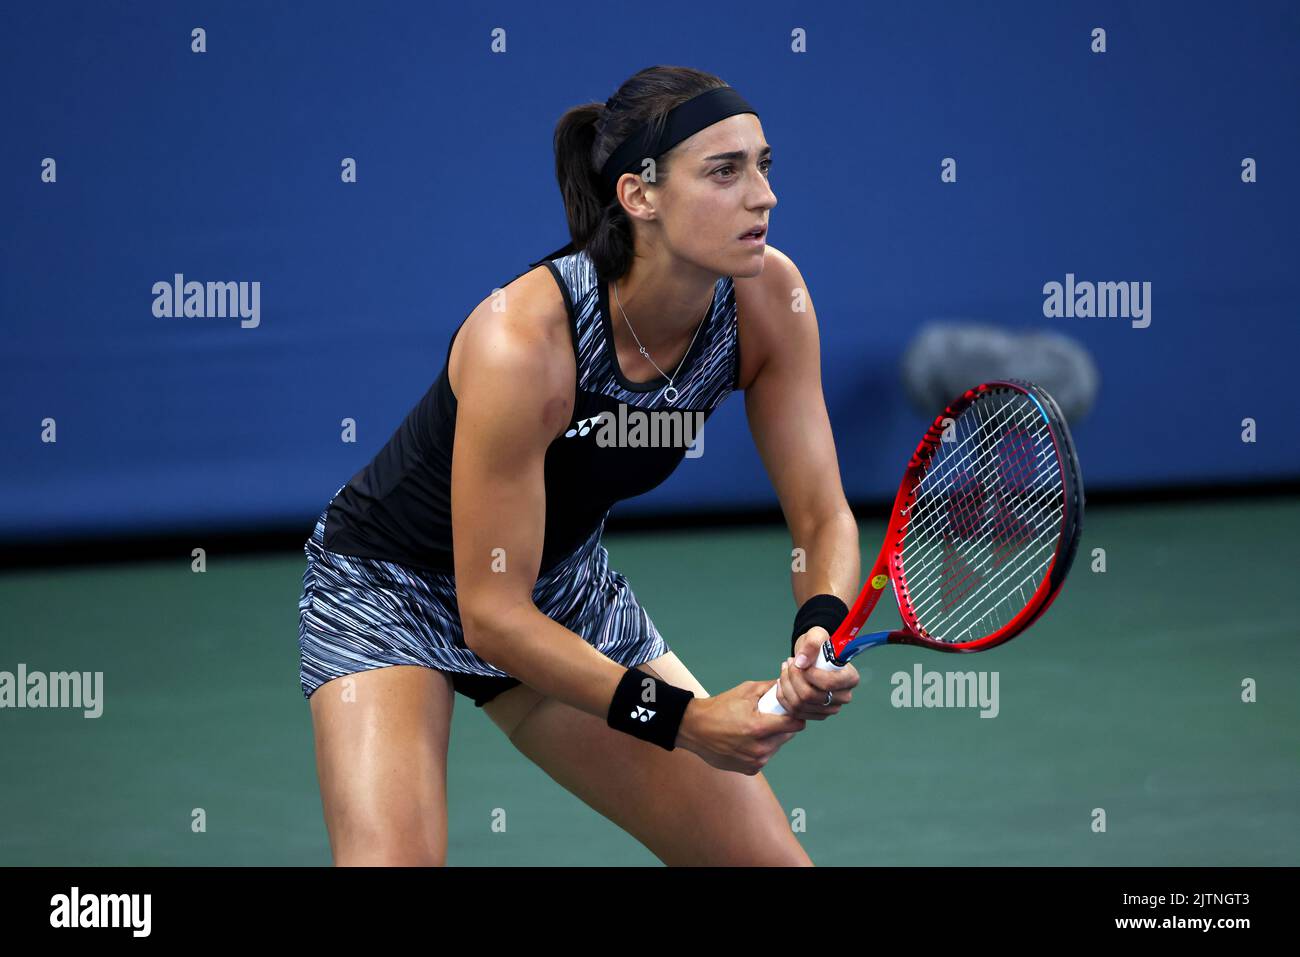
x=514, y=397
x=791, y=429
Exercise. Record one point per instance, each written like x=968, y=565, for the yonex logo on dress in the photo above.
x=657, y=429
x=642, y=714
x=583, y=426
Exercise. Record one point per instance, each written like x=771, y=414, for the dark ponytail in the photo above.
x=586, y=136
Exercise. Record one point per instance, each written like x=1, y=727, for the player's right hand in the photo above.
x=729, y=732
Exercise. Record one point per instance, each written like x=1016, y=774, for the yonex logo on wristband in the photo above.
x=628, y=711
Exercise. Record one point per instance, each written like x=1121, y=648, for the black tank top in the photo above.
x=398, y=508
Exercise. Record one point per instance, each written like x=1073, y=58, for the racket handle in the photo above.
x=768, y=703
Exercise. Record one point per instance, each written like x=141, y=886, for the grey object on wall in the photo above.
x=946, y=358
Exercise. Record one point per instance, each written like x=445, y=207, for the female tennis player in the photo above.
x=466, y=556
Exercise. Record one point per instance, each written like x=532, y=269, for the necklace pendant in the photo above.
x=670, y=395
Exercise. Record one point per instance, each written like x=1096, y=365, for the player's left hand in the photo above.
x=802, y=688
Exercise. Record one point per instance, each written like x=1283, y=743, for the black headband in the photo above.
x=684, y=120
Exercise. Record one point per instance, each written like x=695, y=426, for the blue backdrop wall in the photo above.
x=225, y=166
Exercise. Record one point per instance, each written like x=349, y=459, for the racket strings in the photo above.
x=993, y=568
x=1017, y=580
x=976, y=600
x=952, y=589
x=984, y=521
x=968, y=510
x=973, y=464
x=963, y=457
x=970, y=452
x=959, y=575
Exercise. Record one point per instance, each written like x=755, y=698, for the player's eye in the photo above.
x=765, y=166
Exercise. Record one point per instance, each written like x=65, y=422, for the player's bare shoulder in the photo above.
x=519, y=337
x=764, y=304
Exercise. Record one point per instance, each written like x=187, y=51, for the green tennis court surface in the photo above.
x=1127, y=697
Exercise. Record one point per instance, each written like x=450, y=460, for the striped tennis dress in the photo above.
x=379, y=587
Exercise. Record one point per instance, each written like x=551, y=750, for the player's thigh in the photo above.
x=683, y=809
x=381, y=758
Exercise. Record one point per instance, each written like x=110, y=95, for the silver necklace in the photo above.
x=670, y=393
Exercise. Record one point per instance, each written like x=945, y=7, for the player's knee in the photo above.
x=780, y=847
x=787, y=854
x=378, y=846
x=391, y=855
x=801, y=860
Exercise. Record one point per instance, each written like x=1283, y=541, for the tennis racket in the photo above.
x=982, y=533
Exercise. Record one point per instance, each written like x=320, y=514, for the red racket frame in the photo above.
x=847, y=640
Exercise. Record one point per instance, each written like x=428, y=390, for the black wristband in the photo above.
x=825, y=610
x=647, y=708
